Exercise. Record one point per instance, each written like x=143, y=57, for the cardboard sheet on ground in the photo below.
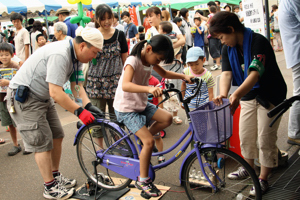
x=134, y=194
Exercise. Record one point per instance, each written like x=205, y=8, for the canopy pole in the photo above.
x=119, y=14
x=267, y=19
x=171, y=11
x=26, y=19
x=46, y=17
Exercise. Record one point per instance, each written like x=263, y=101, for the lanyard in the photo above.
x=73, y=61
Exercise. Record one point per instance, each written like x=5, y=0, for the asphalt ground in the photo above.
x=20, y=178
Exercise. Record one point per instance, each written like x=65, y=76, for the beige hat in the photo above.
x=62, y=10
x=91, y=35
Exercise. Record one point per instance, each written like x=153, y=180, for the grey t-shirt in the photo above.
x=50, y=64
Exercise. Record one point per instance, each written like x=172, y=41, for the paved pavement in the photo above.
x=20, y=178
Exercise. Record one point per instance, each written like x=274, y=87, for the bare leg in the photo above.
x=13, y=134
x=145, y=155
x=159, y=144
x=218, y=61
x=264, y=172
x=44, y=161
x=56, y=153
x=162, y=119
x=250, y=162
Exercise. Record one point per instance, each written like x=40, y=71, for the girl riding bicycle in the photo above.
x=131, y=102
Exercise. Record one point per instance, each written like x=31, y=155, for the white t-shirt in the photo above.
x=133, y=102
x=33, y=40
x=188, y=35
x=51, y=30
x=21, y=39
x=153, y=31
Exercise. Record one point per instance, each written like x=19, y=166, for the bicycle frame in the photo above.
x=129, y=167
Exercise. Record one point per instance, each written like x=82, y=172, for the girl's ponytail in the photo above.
x=137, y=49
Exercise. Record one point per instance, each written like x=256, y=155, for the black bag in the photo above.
x=22, y=93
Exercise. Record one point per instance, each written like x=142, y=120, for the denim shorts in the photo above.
x=135, y=121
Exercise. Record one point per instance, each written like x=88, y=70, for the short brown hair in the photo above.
x=154, y=10
x=166, y=27
x=222, y=21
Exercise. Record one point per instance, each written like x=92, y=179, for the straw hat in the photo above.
x=62, y=10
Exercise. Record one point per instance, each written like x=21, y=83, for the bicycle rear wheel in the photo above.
x=222, y=162
x=92, y=140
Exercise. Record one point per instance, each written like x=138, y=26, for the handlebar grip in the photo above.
x=151, y=95
x=277, y=109
x=193, y=80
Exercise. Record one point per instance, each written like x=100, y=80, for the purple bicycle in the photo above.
x=108, y=156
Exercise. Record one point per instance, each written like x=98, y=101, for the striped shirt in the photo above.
x=202, y=97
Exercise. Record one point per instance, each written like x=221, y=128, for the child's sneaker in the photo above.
x=264, y=185
x=148, y=188
x=241, y=173
x=65, y=182
x=161, y=159
x=58, y=192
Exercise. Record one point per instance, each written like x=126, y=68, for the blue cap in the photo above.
x=193, y=54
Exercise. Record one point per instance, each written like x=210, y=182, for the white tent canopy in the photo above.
x=24, y=6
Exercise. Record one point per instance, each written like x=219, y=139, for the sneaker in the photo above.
x=58, y=192
x=65, y=182
x=14, y=150
x=264, y=185
x=215, y=67
x=161, y=159
x=26, y=152
x=148, y=188
x=205, y=63
x=241, y=173
x=293, y=141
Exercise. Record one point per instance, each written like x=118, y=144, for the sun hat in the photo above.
x=90, y=35
x=193, y=54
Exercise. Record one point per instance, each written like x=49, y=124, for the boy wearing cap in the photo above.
x=195, y=59
x=32, y=92
x=63, y=16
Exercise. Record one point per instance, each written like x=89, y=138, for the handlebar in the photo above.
x=282, y=108
x=198, y=81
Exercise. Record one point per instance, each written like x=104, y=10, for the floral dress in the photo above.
x=103, y=78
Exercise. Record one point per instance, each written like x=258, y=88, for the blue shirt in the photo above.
x=199, y=38
x=71, y=27
x=289, y=25
x=132, y=30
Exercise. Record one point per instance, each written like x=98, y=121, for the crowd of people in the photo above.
x=128, y=63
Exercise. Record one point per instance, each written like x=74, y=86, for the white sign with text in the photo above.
x=254, y=15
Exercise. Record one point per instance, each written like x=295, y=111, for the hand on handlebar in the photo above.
x=156, y=91
x=188, y=78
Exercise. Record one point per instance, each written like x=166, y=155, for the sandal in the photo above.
x=177, y=120
x=2, y=141
x=278, y=50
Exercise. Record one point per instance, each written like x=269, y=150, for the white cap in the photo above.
x=91, y=35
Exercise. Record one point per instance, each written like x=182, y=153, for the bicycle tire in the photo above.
x=107, y=179
x=223, y=162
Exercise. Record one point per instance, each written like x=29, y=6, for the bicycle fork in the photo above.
x=206, y=164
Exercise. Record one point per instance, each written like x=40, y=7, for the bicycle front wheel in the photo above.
x=93, y=139
x=220, y=162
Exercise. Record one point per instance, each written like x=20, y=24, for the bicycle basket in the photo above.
x=212, y=124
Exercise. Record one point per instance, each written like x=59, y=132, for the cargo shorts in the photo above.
x=37, y=122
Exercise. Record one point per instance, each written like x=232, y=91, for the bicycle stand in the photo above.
x=88, y=192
